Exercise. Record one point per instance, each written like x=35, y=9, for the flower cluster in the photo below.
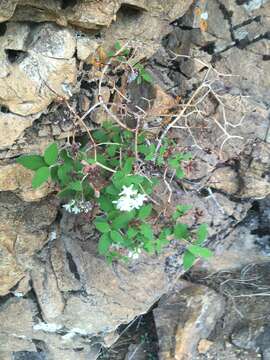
x=77, y=207
x=129, y=199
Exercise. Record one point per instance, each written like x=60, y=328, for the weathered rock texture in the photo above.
x=59, y=299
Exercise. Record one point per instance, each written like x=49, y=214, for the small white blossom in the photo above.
x=77, y=207
x=128, y=191
x=129, y=199
x=134, y=254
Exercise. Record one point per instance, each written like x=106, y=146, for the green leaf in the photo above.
x=112, y=190
x=173, y=163
x=188, y=260
x=145, y=211
x=112, y=149
x=202, y=234
x=117, y=237
x=54, y=171
x=117, y=45
x=67, y=194
x=127, y=168
x=102, y=225
x=180, y=174
x=75, y=185
x=64, y=173
x=181, y=231
x=122, y=220
x=104, y=244
x=147, y=231
x=200, y=251
x=181, y=210
x=105, y=203
x=41, y=176
x=185, y=156
x=32, y=162
x=131, y=233
x=111, y=53
x=149, y=246
x=146, y=76
x=51, y=154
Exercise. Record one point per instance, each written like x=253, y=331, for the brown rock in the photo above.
x=45, y=66
x=22, y=234
x=47, y=291
x=204, y=346
x=11, y=127
x=7, y=8
x=184, y=318
x=16, y=178
x=226, y=180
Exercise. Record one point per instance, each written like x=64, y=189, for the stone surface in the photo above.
x=44, y=63
x=16, y=178
x=11, y=127
x=23, y=233
x=183, y=319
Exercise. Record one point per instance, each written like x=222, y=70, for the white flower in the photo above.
x=128, y=191
x=72, y=207
x=139, y=200
x=134, y=254
x=129, y=199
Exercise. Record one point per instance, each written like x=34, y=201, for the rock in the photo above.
x=16, y=178
x=86, y=47
x=136, y=352
x=17, y=315
x=22, y=234
x=204, y=346
x=144, y=29
x=184, y=318
x=48, y=294
x=255, y=171
x=225, y=179
x=7, y=8
x=11, y=128
x=44, y=63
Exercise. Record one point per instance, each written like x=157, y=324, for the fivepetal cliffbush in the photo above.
x=108, y=181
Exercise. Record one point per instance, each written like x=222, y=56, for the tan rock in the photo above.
x=45, y=66
x=184, y=318
x=204, y=346
x=17, y=315
x=86, y=47
x=48, y=294
x=22, y=234
x=226, y=180
x=16, y=178
x=7, y=8
x=11, y=127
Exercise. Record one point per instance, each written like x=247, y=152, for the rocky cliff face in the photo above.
x=58, y=298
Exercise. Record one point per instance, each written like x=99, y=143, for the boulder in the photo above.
x=184, y=318
x=16, y=178
x=22, y=234
x=42, y=58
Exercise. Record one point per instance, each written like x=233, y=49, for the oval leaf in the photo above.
x=145, y=211
x=188, y=260
x=181, y=231
x=32, y=162
x=104, y=244
x=117, y=237
x=102, y=226
x=202, y=234
x=51, y=154
x=41, y=176
x=200, y=251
